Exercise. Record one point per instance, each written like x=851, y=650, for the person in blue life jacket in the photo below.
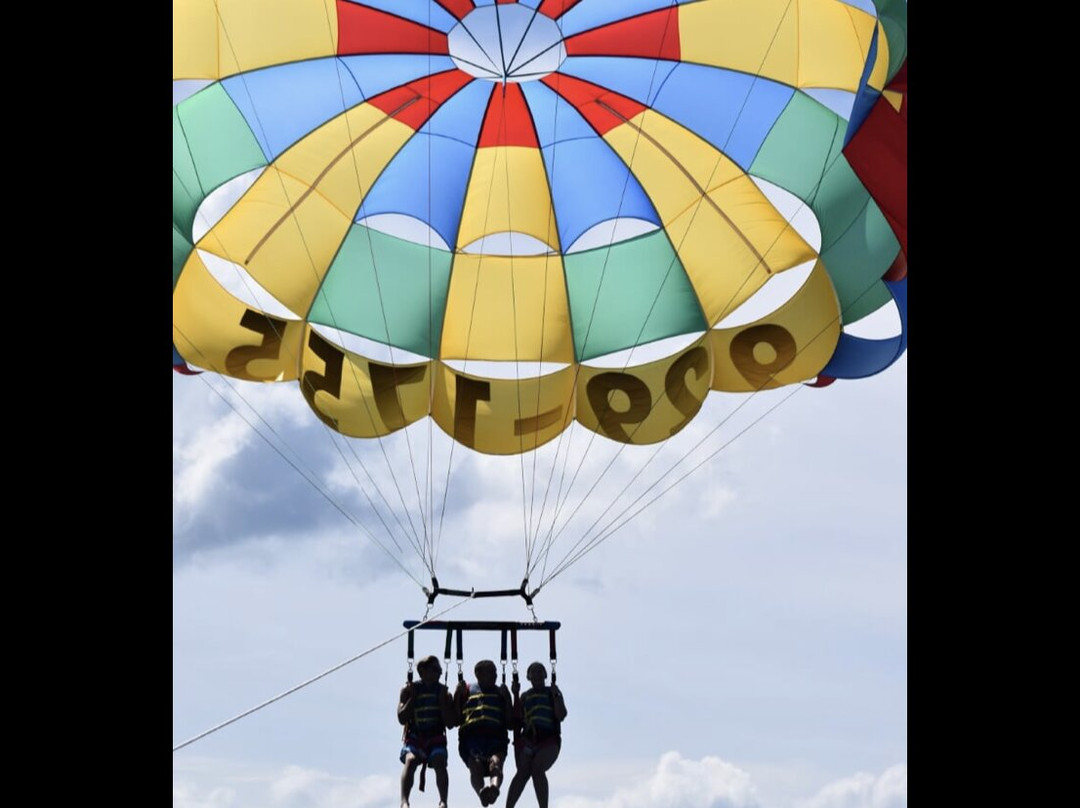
x=485, y=712
x=426, y=711
x=539, y=712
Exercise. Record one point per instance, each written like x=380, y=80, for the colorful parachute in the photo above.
x=384, y=200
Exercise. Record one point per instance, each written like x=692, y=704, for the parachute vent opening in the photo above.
x=406, y=228
x=509, y=243
x=236, y=280
x=611, y=232
x=507, y=43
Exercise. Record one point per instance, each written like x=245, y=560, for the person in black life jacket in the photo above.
x=485, y=712
x=539, y=712
x=426, y=711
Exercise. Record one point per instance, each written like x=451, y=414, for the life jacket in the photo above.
x=427, y=716
x=538, y=712
x=483, y=709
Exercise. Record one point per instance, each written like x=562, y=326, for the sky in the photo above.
x=739, y=643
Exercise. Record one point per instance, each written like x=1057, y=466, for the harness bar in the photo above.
x=521, y=592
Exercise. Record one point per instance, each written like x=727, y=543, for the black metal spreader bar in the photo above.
x=482, y=625
x=521, y=591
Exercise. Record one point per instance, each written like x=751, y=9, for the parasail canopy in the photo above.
x=488, y=213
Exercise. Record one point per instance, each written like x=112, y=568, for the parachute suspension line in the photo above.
x=415, y=541
x=433, y=351
x=312, y=680
x=513, y=303
x=703, y=198
x=560, y=502
x=619, y=452
x=535, y=520
x=411, y=539
x=472, y=319
x=424, y=543
x=271, y=323
x=308, y=475
x=611, y=527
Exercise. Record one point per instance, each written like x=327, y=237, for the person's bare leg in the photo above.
x=442, y=780
x=495, y=769
x=476, y=775
x=523, y=764
x=407, y=774
x=544, y=760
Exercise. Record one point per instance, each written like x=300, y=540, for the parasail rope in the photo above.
x=313, y=679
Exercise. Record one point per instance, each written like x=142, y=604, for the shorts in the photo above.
x=424, y=748
x=482, y=746
x=528, y=747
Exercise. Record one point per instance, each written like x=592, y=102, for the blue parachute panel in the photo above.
x=377, y=73
x=284, y=103
x=553, y=118
x=438, y=158
x=589, y=182
x=731, y=110
x=858, y=357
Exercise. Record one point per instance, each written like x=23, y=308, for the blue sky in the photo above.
x=740, y=643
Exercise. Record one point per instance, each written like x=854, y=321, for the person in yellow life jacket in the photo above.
x=426, y=711
x=485, y=711
x=539, y=712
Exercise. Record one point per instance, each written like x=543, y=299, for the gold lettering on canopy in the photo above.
x=329, y=381
x=746, y=348
x=238, y=359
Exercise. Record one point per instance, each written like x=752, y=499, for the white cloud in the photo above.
x=864, y=791
x=680, y=783
x=290, y=787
